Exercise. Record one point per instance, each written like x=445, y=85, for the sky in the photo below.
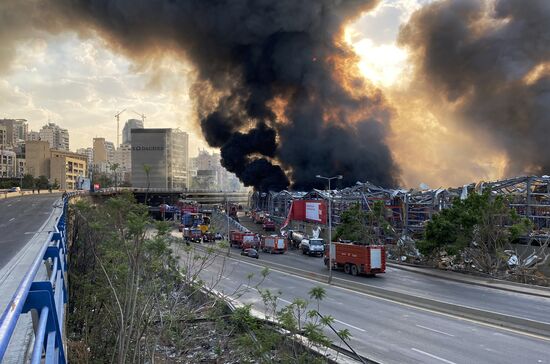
x=81, y=83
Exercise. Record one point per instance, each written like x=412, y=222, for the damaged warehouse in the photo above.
x=409, y=211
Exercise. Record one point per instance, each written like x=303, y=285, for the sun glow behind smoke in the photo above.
x=385, y=65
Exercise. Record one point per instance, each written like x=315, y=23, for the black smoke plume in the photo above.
x=251, y=55
x=491, y=60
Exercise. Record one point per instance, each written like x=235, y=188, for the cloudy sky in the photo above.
x=81, y=84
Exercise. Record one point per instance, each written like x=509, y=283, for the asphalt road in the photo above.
x=383, y=330
x=20, y=218
x=490, y=299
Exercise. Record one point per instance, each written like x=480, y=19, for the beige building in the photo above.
x=59, y=166
x=100, y=151
x=66, y=168
x=37, y=156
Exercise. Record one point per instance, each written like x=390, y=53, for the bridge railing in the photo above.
x=46, y=297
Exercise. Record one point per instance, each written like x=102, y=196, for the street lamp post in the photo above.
x=227, y=216
x=329, y=224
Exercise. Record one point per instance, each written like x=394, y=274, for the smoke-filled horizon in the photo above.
x=278, y=91
x=490, y=60
x=270, y=91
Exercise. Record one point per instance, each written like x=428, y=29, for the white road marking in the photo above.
x=353, y=327
x=13, y=218
x=285, y=301
x=433, y=356
x=434, y=330
x=9, y=204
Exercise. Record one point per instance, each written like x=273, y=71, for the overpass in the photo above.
x=33, y=278
x=158, y=196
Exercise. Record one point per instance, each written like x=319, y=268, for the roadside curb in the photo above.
x=513, y=323
x=490, y=283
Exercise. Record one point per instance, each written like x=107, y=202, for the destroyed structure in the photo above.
x=408, y=210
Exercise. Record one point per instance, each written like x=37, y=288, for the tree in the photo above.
x=114, y=167
x=365, y=227
x=28, y=181
x=41, y=182
x=481, y=226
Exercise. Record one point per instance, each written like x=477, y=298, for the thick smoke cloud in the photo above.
x=250, y=57
x=491, y=61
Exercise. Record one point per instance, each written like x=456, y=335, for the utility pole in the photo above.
x=329, y=224
x=227, y=216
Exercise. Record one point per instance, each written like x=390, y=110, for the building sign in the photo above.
x=313, y=211
x=146, y=148
x=309, y=210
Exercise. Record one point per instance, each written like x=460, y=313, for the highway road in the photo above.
x=485, y=298
x=20, y=218
x=383, y=330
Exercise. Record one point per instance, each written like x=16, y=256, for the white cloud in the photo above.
x=80, y=84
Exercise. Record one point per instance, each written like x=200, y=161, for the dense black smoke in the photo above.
x=492, y=61
x=249, y=55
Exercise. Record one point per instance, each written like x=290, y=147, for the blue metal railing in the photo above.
x=47, y=298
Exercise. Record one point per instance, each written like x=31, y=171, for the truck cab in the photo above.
x=313, y=246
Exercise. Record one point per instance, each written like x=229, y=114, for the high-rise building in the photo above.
x=123, y=158
x=207, y=173
x=127, y=130
x=15, y=130
x=56, y=136
x=110, y=151
x=164, y=153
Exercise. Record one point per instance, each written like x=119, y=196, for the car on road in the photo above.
x=218, y=236
x=250, y=252
x=15, y=189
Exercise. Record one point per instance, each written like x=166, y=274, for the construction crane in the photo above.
x=117, y=116
x=142, y=116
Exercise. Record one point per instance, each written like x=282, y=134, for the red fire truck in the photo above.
x=274, y=244
x=242, y=240
x=357, y=258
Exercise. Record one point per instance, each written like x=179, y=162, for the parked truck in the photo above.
x=274, y=244
x=242, y=239
x=357, y=259
x=313, y=246
x=192, y=235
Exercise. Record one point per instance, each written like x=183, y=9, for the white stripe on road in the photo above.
x=285, y=301
x=434, y=330
x=433, y=356
x=13, y=218
x=353, y=327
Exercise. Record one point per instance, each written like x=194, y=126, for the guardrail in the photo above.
x=47, y=298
